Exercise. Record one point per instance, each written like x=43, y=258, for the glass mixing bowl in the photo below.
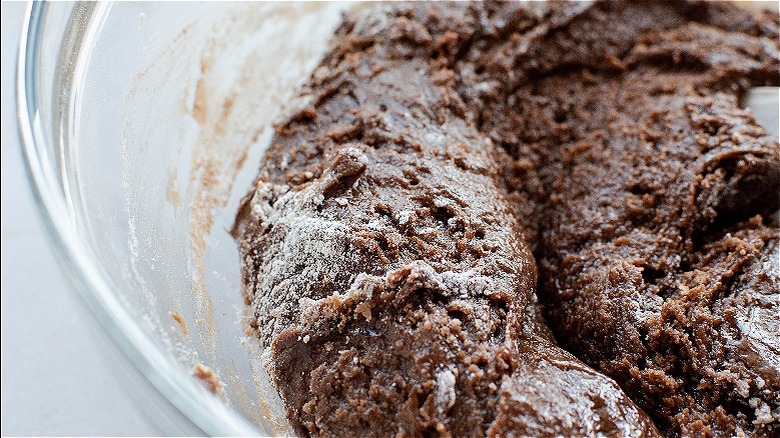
x=143, y=124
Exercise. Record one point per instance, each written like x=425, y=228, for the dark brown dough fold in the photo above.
x=390, y=280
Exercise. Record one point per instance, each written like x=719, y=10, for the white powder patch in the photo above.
x=445, y=390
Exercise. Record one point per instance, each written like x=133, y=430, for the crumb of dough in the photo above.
x=179, y=319
x=208, y=377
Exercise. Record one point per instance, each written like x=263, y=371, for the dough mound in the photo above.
x=441, y=151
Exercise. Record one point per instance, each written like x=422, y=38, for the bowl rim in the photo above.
x=203, y=410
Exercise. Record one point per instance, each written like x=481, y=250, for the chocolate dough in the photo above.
x=387, y=242
x=652, y=201
x=391, y=283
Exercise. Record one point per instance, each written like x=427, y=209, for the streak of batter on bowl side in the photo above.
x=225, y=107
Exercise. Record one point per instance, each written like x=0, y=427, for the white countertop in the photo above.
x=54, y=379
